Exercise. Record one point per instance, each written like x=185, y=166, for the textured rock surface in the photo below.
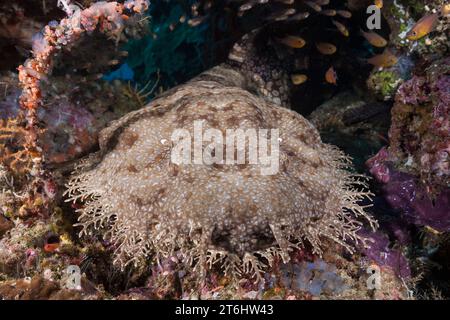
x=414, y=169
x=5, y=225
x=39, y=288
x=405, y=193
x=420, y=132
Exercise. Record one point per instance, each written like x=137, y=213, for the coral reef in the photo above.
x=109, y=18
x=384, y=83
x=5, y=225
x=403, y=15
x=313, y=277
x=66, y=106
x=381, y=253
x=406, y=193
x=72, y=120
x=305, y=276
x=413, y=170
x=413, y=173
x=36, y=288
x=59, y=114
x=419, y=135
x=151, y=228
x=401, y=18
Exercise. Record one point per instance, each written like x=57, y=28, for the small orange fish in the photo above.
x=281, y=15
x=326, y=48
x=379, y=3
x=300, y=16
x=445, y=10
x=342, y=29
x=113, y=62
x=314, y=6
x=331, y=76
x=298, y=79
x=423, y=27
x=344, y=14
x=195, y=21
x=374, y=39
x=329, y=12
x=385, y=60
x=51, y=247
x=246, y=6
x=293, y=42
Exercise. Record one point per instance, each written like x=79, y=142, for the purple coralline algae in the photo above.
x=381, y=253
x=420, y=131
x=404, y=192
x=414, y=170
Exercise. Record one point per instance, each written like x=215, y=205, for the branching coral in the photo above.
x=13, y=135
x=219, y=214
x=109, y=18
x=12, y=153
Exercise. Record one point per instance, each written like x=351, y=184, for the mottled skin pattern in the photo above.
x=266, y=73
x=229, y=215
